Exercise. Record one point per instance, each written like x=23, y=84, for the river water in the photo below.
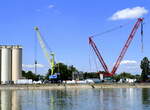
x=76, y=99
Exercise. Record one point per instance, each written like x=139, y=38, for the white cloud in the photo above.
x=51, y=6
x=32, y=65
x=128, y=62
x=129, y=13
x=130, y=66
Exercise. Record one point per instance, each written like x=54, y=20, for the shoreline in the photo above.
x=71, y=86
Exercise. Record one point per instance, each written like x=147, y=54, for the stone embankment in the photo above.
x=74, y=86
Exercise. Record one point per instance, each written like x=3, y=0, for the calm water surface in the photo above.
x=76, y=99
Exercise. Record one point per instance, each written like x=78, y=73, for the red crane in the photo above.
x=124, y=49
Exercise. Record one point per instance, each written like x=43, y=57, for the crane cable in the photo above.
x=111, y=30
x=100, y=34
x=116, y=28
x=95, y=61
x=35, y=54
x=46, y=44
x=90, y=59
x=142, y=44
x=93, y=57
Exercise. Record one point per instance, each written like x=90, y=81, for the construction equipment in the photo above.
x=49, y=55
x=128, y=42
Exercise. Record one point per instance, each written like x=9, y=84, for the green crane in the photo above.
x=49, y=55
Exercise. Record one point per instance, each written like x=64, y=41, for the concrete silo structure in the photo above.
x=10, y=63
x=0, y=64
x=16, y=63
x=6, y=64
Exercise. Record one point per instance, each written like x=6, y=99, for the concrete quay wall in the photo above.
x=73, y=86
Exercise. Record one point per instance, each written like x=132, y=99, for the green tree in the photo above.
x=145, y=66
x=138, y=77
x=87, y=75
x=116, y=77
x=125, y=75
x=31, y=75
x=48, y=74
x=64, y=70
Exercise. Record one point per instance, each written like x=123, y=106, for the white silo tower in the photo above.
x=16, y=63
x=6, y=64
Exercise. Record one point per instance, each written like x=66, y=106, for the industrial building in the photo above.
x=10, y=63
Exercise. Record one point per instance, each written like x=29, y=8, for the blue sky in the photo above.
x=66, y=26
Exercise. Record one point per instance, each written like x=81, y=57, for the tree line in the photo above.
x=70, y=72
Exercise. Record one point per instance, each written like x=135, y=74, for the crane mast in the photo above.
x=100, y=58
x=50, y=56
x=127, y=44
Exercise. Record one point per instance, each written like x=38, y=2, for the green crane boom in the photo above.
x=49, y=55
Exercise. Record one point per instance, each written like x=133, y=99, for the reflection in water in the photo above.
x=6, y=100
x=121, y=99
x=9, y=100
x=15, y=101
x=146, y=96
x=76, y=99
